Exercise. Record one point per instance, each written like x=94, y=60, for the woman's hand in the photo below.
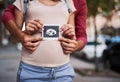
x=33, y=26
x=68, y=45
x=68, y=31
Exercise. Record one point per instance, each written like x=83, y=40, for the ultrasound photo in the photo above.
x=51, y=32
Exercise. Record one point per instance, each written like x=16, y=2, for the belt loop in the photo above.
x=53, y=73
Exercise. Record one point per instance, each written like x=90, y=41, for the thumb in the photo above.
x=62, y=39
x=35, y=39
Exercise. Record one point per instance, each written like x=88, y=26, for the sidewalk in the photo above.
x=10, y=50
x=79, y=64
x=10, y=57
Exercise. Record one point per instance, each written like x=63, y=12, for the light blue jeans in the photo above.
x=30, y=73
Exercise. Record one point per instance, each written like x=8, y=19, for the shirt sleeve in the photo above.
x=80, y=20
x=71, y=5
x=8, y=14
x=19, y=4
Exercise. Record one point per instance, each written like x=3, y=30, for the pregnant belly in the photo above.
x=49, y=53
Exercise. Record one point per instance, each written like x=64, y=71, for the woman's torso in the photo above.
x=49, y=53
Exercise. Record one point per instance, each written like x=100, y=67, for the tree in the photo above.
x=2, y=4
x=95, y=7
x=1, y=7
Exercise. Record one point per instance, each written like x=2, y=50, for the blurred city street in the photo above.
x=102, y=50
x=9, y=60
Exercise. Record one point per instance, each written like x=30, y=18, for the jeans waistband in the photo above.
x=28, y=66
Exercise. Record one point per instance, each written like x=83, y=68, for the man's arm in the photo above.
x=29, y=42
x=8, y=14
x=68, y=45
x=8, y=18
x=80, y=22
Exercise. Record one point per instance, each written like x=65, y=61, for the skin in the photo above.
x=68, y=42
x=28, y=41
x=36, y=25
x=69, y=45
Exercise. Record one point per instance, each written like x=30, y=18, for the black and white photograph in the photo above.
x=50, y=32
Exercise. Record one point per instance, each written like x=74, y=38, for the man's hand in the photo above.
x=30, y=42
x=68, y=45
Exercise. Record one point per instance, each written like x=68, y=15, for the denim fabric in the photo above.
x=30, y=73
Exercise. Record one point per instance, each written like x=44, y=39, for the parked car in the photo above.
x=90, y=48
x=111, y=56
